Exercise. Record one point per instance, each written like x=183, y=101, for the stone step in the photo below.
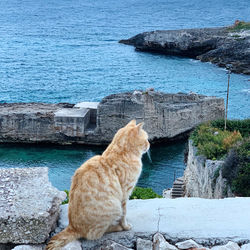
x=178, y=189
x=178, y=186
x=177, y=193
x=179, y=182
x=176, y=196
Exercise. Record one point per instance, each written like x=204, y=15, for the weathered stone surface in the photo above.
x=29, y=205
x=142, y=244
x=111, y=245
x=245, y=247
x=165, y=115
x=199, y=177
x=207, y=221
x=229, y=246
x=159, y=243
x=216, y=45
x=29, y=247
x=187, y=244
x=74, y=245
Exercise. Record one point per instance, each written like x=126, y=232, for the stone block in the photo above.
x=29, y=205
x=160, y=243
x=142, y=244
x=187, y=244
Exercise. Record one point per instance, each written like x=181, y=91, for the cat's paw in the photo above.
x=127, y=227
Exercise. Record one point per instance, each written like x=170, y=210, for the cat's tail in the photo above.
x=62, y=239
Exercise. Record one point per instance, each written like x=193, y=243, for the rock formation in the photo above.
x=29, y=205
x=203, y=178
x=217, y=45
x=166, y=116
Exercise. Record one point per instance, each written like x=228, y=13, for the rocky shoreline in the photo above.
x=166, y=117
x=221, y=46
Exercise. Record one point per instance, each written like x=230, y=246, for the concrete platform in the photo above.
x=87, y=105
x=71, y=112
x=207, y=221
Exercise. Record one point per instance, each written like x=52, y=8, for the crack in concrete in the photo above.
x=159, y=218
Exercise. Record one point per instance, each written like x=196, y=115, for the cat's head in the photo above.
x=132, y=137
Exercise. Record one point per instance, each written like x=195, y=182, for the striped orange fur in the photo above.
x=101, y=187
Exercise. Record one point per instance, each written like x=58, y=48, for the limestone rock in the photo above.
x=165, y=116
x=111, y=245
x=29, y=205
x=187, y=244
x=229, y=246
x=245, y=247
x=74, y=245
x=142, y=244
x=216, y=45
x=199, y=177
x=160, y=243
x=29, y=247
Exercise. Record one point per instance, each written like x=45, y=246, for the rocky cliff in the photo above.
x=203, y=178
x=217, y=45
x=166, y=116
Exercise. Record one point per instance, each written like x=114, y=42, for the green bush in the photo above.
x=212, y=142
x=243, y=126
x=241, y=183
x=144, y=193
x=241, y=25
x=138, y=193
x=66, y=201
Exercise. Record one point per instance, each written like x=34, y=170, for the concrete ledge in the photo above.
x=208, y=222
x=87, y=105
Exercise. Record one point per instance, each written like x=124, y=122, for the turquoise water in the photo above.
x=167, y=162
x=68, y=51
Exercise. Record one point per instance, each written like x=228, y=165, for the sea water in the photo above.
x=68, y=51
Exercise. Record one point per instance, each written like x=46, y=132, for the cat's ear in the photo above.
x=140, y=125
x=132, y=123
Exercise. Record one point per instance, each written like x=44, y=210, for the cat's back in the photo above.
x=95, y=175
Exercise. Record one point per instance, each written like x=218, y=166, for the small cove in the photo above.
x=62, y=161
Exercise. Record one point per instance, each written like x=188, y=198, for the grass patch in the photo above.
x=138, y=193
x=239, y=25
x=66, y=201
x=144, y=193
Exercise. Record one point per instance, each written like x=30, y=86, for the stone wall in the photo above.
x=203, y=178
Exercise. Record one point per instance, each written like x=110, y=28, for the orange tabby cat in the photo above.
x=101, y=187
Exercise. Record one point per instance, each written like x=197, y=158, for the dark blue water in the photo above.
x=68, y=51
